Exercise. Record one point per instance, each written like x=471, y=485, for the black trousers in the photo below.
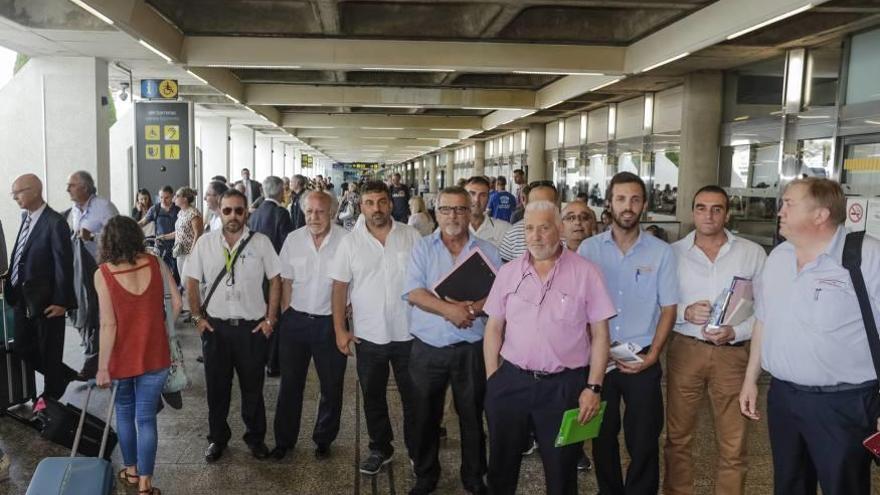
x=303, y=338
x=516, y=401
x=817, y=436
x=231, y=349
x=40, y=342
x=432, y=370
x=642, y=424
x=373, y=362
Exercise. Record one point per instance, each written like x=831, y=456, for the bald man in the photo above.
x=40, y=284
x=578, y=223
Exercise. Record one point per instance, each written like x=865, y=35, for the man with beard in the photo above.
x=306, y=329
x=372, y=261
x=234, y=321
x=641, y=276
x=548, y=318
x=447, y=346
x=482, y=225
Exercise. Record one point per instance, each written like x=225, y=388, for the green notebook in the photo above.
x=570, y=431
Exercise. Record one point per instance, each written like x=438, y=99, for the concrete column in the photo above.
x=241, y=145
x=535, y=153
x=480, y=158
x=214, y=142
x=450, y=168
x=700, y=135
x=277, y=157
x=262, y=156
x=433, y=161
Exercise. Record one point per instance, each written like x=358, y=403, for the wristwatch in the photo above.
x=595, y=388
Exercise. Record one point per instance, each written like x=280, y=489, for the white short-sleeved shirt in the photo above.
x=244, y=298
x=376, y=274
x=307, y=267
x=492, y=230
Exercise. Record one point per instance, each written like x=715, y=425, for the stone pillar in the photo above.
x=241, y=145
x=450, y=168
x=214, y=143
x=262, y=156
x=535, y=153
x=480, y=158
x=700, y=136
x=433, y=161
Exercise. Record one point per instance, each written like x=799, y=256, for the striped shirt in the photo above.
x=514, y=243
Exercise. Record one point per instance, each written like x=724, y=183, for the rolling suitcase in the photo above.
x=59, y=425
x=17, y=379
x=76, y=475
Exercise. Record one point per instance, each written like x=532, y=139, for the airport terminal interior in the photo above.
x=746, y=94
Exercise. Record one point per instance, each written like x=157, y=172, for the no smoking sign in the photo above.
x=856, y=212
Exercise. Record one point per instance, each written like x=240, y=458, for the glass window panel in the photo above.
x=816, y=157
x=823, y=67
x=754, y=90
x=863, y=79
x=861, y=168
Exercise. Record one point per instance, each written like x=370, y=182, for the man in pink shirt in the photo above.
x=540, y=309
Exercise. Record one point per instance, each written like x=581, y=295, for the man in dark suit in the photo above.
x=297, y=191
x=272, y=220
x=252, y=189
x=40, y=285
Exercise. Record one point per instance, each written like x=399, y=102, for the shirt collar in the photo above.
x=437, y=239
x=87, y=205
x=35, y=215
x=270, y=200
x=691, y=240
x=244, y=233
x=527, y=267
x=834, y=249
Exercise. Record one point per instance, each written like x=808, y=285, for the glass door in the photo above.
x=860, y=173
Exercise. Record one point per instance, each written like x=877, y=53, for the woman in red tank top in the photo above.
x=134, y=348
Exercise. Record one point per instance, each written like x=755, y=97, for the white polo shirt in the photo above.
x=244, y=298
x=307, y=267
x=376, y=274
x=492, y=230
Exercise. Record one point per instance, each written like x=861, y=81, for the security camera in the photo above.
x=123, y=95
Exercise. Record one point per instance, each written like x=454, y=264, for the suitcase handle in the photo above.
x=82, y=421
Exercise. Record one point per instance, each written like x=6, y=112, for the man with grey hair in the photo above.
x=90, y=212
x=297, y=190
x=272, y=220
x=543, y=373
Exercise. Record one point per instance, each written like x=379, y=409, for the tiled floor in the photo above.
x=181, y=468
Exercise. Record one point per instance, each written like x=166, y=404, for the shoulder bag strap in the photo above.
x=223, y=272
x=852, y=261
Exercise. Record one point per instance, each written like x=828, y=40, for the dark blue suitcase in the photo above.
x=76, y=475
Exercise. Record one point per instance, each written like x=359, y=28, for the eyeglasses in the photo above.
x=582, y=218
x=459, y=210
x=239, y=210
x=16, y=193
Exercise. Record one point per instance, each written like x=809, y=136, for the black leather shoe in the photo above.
x=479, y=489
x=322, y=452
x=214, y=452
x=259, y=450
x=278, y=453
x=273, y=373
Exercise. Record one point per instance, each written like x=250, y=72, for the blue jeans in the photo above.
x=136, y=401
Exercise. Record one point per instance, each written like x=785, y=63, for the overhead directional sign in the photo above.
x=159, y=89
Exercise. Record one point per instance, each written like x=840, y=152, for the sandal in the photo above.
x=151, y=491
x=127, y=478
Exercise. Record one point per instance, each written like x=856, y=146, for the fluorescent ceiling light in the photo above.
x=740, y=118
x=377, y=137
x=323, y=137
x=872, y=122
x=383, y=128
x=391, y=105
x=405, y=69
x=233, y=99
x=771, y=21
x=557, y=73
x=199, y=78
x=667, y=61
x=492, y=108
x=445, y=130
x=240, y=66
x=609, y=83
x=154, y=50
x=91, y=10
x=813, y=116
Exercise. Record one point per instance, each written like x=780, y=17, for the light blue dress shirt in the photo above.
x=640, y=282
x=93, y=217
x=429, y=262
x=813, y=332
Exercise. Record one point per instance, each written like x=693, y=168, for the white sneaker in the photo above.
x=4, y=467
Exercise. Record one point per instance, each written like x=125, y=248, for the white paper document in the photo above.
x=625, y=352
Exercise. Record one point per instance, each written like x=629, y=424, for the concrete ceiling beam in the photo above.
x=348, y=54
x=314, y=120
x=142, y=22
x=360, y=96
x=390, y=133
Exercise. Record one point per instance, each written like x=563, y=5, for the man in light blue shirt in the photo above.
x=90, y=212
x=448, y=346
x=640, y=273
x=810, y=336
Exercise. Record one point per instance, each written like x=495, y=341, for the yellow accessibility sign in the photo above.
x=172, y=151
x=168, y=88
x=172, y=133
x=153, y=152
x=151, y=132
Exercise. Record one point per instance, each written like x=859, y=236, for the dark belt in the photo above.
x=239, y=322
x=729, y=344
x=541, y=375
x=830, y=389
x=309, y=315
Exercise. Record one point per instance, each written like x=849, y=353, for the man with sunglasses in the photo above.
x=236, y=322
x=447, y=346
x=548, y=318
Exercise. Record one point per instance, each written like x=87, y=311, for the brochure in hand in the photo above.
x=733, y=306
x=571, y=431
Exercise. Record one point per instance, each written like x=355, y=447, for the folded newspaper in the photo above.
x=625, y=352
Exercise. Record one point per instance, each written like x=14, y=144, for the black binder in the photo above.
x=470, y=280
